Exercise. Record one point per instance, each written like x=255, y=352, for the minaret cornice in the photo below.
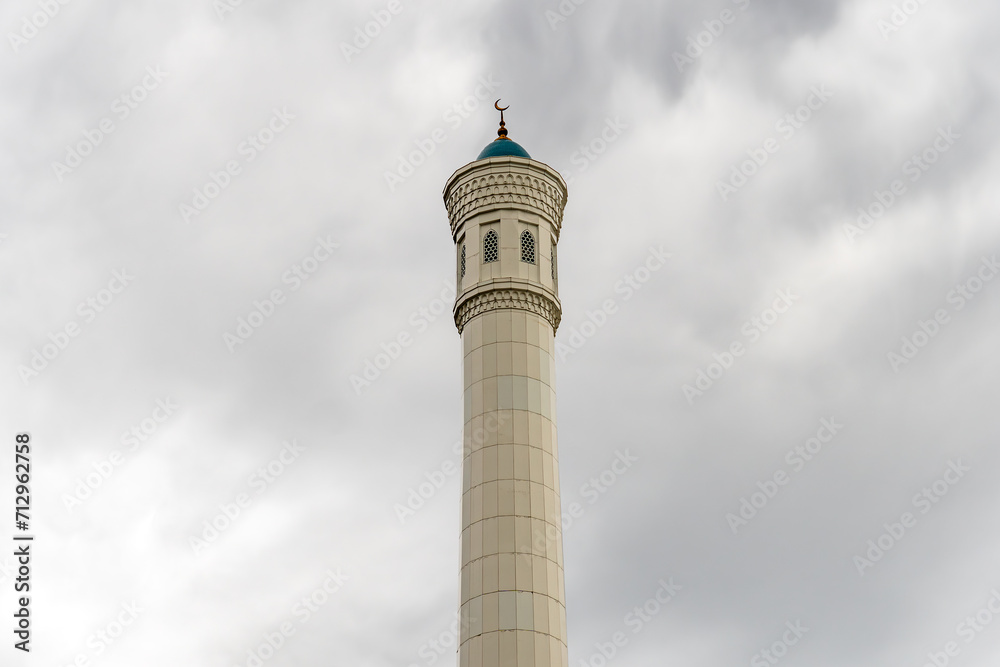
x=511, y=293
x=504, y=183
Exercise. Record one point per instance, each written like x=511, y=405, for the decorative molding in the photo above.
x=518, y=299
x=492, y=190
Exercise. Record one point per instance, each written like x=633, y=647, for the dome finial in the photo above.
x=502, y=132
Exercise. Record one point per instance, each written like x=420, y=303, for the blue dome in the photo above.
x=502, y=147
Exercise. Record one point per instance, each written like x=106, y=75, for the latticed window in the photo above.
x=462, y=262
x=491, y=247
x=527, y=247
x=552, y=263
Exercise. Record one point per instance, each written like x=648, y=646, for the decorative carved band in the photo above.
x=489, y=190
x=533, y=302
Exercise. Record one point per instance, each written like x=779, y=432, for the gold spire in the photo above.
x=502, y=132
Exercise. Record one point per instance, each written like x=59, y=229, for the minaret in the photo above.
x=506, y=212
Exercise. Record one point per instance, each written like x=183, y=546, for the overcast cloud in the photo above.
x=822, y=175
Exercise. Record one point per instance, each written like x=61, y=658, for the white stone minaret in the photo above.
x=506, y=212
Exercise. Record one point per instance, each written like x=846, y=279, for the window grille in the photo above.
x=527, y=247
x=491, y=247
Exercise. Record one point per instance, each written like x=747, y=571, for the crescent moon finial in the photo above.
x=502, y=132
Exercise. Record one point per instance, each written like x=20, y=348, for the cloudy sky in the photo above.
x=213, y=214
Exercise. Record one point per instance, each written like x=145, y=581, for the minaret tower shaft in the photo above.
x=506, y=211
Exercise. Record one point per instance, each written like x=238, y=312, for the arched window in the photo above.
x=527, y=247
x=462, y=264
x=553, y=260
x=491, y=247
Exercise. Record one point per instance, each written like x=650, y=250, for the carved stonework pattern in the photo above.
x=508, y=298
x=496, y=190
